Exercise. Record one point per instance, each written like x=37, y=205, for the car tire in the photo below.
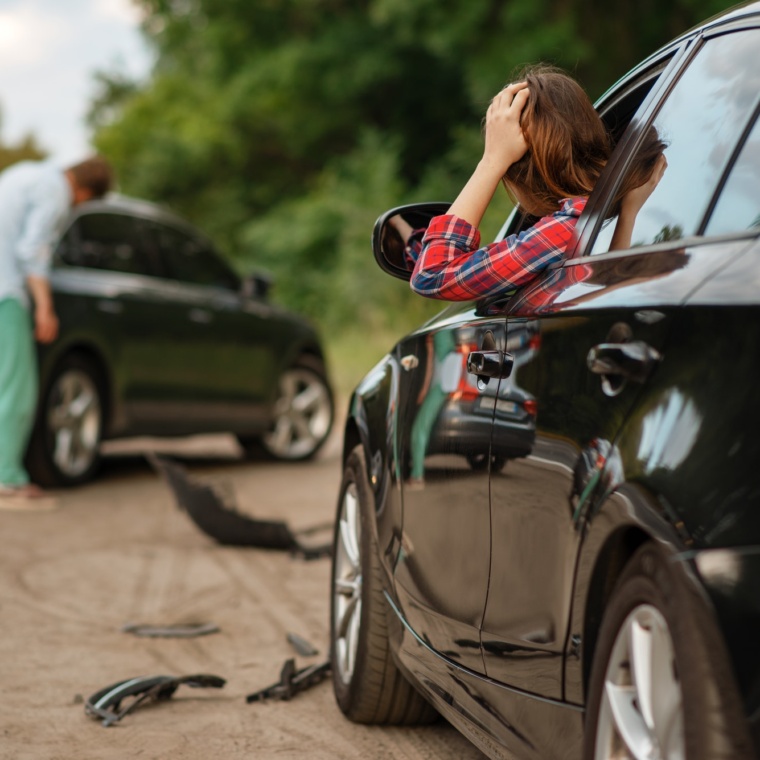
x=655, y=681
x=64, y=449
x=303, y=415
x=368, y=686
x=480, y=462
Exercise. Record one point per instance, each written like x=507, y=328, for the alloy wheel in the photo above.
x=641, y=712
x=302, y=415
x=74, y=421
x=347, y=585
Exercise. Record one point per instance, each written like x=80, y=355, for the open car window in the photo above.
x=616, y=112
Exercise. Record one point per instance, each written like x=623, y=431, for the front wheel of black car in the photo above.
x=654, y=691
x=368, y=686
x=65, y=445
x=302, y=415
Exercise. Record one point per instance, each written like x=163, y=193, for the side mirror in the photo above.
x=392, y=231
x=257, y=286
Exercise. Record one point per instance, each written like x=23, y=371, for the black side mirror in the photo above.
x=257, y=286
x=392, y=231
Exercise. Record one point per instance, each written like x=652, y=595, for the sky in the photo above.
x=49, y=51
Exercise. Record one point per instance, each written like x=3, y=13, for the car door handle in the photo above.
x=110, y=307
x=200, y=316
x=632, y=361
x=490, y=363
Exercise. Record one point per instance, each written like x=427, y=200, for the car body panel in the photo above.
x=443, y=595
x=503, y=722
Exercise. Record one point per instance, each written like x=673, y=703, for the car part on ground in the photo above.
x=302, y=414
x=65, y=445
x=217, y=516
x=302, y=646
x=105, y=704
x=178, y=631
x=291, y=682
x=368, y=685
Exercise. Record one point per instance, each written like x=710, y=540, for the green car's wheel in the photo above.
x=302, y=414
x=65, y=444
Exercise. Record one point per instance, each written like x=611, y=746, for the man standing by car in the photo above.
x=34, y=200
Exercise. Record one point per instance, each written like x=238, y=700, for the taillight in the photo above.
x=466, y=390
x=531, y=407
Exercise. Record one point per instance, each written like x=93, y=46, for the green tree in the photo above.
x=283, y=128
x=25, y=150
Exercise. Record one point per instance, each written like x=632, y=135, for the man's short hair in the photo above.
x=95, y=174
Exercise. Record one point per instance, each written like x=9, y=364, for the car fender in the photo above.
x=371, y=423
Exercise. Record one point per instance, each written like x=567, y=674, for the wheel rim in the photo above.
x=347, y=586
x=641, y=713
x=302, y=415
x=74, y=422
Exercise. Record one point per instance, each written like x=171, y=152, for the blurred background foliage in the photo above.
x=25, y=149
x=283, y=128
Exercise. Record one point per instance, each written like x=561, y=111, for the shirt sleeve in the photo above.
x=47, y=209
x=413, y=247
x=453, y=267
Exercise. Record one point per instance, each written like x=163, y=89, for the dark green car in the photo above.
x=160, y=337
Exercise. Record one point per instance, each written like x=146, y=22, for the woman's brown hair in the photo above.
x=568, y=145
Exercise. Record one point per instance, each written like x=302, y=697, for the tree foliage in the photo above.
x=26, y=149
x=284, y=127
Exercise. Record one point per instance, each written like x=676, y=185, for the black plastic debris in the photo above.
x=216, y=514
x=292, y=682
x=106, y=705
x=178, y=631
x=301, y=645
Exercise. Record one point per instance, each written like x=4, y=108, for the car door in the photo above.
x=224, y=339
x=445, y=419
x=107, y=293
x=603, y=322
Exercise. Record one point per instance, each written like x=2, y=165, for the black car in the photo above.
x=600, y=596
x=158, y=336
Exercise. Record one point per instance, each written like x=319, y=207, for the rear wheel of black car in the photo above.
x=653, y=691
x=481, y=462
x=65, y=444
x=369, y=687
x=302, y=414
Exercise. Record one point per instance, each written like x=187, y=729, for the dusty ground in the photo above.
x=119, y=551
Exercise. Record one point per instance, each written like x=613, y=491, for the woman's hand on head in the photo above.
x=634, y=200
x=505, y=141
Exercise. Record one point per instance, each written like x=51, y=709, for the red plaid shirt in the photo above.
x=450, y=264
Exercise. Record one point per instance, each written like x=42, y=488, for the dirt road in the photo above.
x=119, y=551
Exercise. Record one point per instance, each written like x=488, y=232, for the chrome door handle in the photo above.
x=200, y=316
x=110, y=307
x=632, y=361
x=490, y=363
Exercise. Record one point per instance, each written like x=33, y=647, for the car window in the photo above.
x=616, y=111
x=738, y=207
x=104, y=241
x=701, y=121
x=190, y=259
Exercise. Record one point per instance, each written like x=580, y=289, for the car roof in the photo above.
x=115, y=203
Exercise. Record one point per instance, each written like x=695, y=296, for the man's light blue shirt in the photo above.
x=35, y=198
